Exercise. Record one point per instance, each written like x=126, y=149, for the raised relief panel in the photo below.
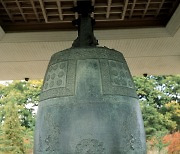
x=119, y=74
x=56, y=76
x=116, y=78
x=90, y=146
x=59, y=81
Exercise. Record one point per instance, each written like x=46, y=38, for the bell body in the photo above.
x=88, y=105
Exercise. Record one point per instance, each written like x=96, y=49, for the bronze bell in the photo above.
x=88, y=103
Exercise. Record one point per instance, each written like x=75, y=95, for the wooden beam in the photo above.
x=108, y=9
x=59, y=9
x=93, y=4
x=75, y=14
x=7, y=11
x=100, y=24
x=160, y=6
x=43, y=11
x=132, y=8
x=35, y=10
x=147, y=5
x=21, y=11
x=124, y=9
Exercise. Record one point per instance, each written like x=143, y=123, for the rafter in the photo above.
x=35, y=10
x=75, y=14
x=93, y=2
x=125, y=9
x=57, y=12
x=108, y=9
x=21, y=11
x=160, y=6
x=43, y=11
x=147, y=5
x=7, y=11
x=59, y=9
x=132, y=9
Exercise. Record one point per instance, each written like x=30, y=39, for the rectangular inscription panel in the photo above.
x=116, y=78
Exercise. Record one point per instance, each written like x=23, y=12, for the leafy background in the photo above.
x=159, y=100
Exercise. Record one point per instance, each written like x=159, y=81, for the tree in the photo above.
x=25, y=94
x=170, y=85
x=23, y=97
x=12, y=131
x=172, y=110
x=152, y=90
x=156, y=122
x=156, y=94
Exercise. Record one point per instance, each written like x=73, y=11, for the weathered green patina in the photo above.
x=88, y=102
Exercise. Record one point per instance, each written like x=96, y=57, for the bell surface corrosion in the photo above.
x=88, y=103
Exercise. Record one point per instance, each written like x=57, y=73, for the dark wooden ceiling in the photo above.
x=42, y=15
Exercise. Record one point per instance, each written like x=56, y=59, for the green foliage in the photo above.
x=159, y=100
x=172, y=110
x=12, y=131
x=171, y=87
x=28, y=140
x=26, y=95
x=17, y=115
x=153, y=119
